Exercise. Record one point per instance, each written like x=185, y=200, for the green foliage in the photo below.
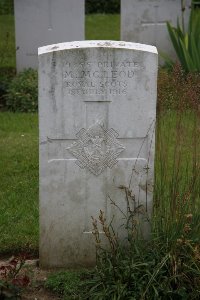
x=22, y=94
x=6, y=76
x=187, y=44
x=102, y=6
x=66, y=283
x=6, y=7
x=162, y=268
x=7, y=42
x=196, y=4
x=148, y=271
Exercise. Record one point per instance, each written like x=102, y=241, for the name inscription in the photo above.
x=98, y=78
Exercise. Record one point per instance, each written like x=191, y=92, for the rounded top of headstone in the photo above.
x=97, y=44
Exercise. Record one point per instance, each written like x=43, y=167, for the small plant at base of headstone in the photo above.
x=13, y=278
x=67, y=283
x=153, y=269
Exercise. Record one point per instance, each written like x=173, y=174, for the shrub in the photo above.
x=6, y=7
x=6, y=76
x=102, y=6
x=22, y=94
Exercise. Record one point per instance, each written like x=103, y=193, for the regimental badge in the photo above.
x=96, y=148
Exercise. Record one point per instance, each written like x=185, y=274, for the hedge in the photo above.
x=102, y=6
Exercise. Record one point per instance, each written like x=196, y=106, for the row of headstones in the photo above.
x=39, y=23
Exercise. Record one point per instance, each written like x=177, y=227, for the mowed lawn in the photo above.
x=18, y=182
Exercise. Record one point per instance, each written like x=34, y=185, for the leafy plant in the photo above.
x=22, y=94
x=187, y=44
x=154, y=269
x=13, y=278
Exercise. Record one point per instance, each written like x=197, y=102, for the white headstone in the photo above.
x=45, y=22
x=144, y=21
x=97, y=110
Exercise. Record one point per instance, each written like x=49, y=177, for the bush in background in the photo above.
x=6, y=7
x=102, y=6
x=22, y=93
x=6, y=76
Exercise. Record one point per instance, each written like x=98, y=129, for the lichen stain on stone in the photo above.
x=106, y=44
x=146, y=186
x=147, y=84
x=119, y=177
x=74, y=192
x=53, y=81
x=54, y=47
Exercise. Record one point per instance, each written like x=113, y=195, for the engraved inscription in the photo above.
x=96, y=148
x=98, y=78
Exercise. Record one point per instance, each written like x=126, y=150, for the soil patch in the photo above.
x=36, y=289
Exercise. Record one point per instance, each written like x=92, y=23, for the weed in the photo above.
x=67, y=283
x=13, y=277
x=177, y=91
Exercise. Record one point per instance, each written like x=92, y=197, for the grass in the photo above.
x=177, y=176
x=19, y=182
x=102, y=27
x=97, y=27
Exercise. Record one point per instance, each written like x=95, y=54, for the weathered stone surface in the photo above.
x=39, y=23
x=144, y=21
x=97, y=109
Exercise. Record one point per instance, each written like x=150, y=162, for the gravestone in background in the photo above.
x=44, y=22
x=97, y=110
x=144, y=21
